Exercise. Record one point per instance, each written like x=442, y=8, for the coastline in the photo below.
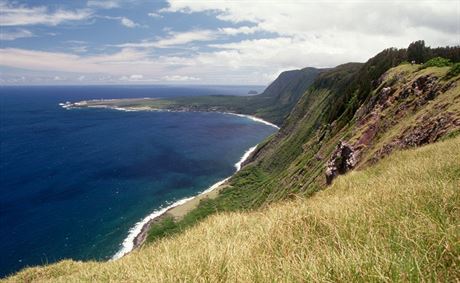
x=178, y=209
x=139, y=232
x=99, y=104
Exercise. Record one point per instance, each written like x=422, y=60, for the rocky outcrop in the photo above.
x=406, y=110
x=427, y=130
x=342, y=160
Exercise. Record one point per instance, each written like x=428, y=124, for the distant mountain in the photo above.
x=280, y=97
x=290, y=85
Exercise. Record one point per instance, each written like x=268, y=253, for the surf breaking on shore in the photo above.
x=129, y=243
x=256, y=119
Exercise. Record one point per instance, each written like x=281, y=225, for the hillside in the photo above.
x=408, y=107
x=396, y=221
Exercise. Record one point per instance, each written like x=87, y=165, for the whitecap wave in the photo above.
x=244, y=158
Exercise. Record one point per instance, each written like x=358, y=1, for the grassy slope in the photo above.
x=396, y=221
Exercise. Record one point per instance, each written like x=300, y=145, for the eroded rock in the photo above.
x=427, y=130
x=342, y=160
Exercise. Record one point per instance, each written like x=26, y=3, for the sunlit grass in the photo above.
x=396, y=221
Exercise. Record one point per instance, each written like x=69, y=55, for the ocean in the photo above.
x=74, y=182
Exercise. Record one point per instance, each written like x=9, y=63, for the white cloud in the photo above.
x=125, y=63
x=79, y=49
x=128, y=23
x=174, y=39
x=322, y=33
x=154, y=15
x=186, y=37
x=77, y=46
x=104, y=4
x=198, y=35
x=124, y=56
x=115, y=63
x=307, y=16
x=136, y=77
x=178, y=78
x=240, y=30
x=133, y=78
x=291, y=17
x=123, y=21
x=15, y=34
x=21, y=15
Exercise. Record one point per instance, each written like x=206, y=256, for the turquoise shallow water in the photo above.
x=73, y=182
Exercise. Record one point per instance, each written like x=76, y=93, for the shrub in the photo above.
x=453, y=71
x=437, y=62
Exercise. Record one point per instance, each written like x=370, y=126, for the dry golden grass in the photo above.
x=396, y=221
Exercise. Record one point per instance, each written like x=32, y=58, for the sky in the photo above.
x=207, y=42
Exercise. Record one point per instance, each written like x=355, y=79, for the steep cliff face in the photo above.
x=289, y=86
x=280, y=97
x=409, y=108
x=406, y=106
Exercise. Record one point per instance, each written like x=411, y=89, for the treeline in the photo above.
x=355, y=89
x=419, y=53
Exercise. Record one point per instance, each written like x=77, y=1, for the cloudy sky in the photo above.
x=205, y=41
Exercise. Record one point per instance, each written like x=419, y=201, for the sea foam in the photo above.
x=256, y=119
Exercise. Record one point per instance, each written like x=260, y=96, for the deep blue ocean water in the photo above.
x=73, y=182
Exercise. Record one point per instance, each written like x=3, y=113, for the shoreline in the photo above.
x=139, y=232
x=177, y=212
x=84, y=104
